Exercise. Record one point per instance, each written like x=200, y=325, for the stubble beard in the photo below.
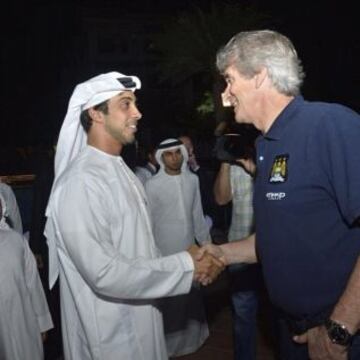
x=119, y=136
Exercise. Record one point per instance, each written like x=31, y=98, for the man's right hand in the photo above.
x=207, y=267
x=214, y=250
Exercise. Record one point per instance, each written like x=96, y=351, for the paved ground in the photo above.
x=219, y=345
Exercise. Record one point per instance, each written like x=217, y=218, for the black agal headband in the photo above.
x=127, y=82
x=170, y=144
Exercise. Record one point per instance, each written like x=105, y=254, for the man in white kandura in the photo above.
x=99, y=233
x=12, y=207
x=178, y=219
x=24, y=312
x=147, y=166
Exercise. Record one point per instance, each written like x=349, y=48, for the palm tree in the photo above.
x=187, y=46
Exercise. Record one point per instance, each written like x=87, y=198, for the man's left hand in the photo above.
x=320, y=346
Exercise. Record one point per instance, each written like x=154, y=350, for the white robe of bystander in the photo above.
x=177, y=220
x=24, y=313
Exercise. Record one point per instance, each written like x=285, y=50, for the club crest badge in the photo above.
x=279, y=169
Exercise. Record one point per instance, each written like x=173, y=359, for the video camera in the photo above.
x=230, y=147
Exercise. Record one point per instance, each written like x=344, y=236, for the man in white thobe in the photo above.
x=149, y=166
x=205, y=179
x=12, y=207
x=178, y=219
x=99, y=233
x=24, y=313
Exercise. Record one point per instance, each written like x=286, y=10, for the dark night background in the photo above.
x=50, y=46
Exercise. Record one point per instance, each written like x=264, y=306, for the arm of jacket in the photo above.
x=36, y=290
x=83, y=213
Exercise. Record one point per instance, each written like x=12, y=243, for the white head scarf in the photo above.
x=3, y=224
x=72, y=137
x=171, y=144
x=90, y=93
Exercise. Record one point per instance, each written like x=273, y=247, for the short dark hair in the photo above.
x=85, y=118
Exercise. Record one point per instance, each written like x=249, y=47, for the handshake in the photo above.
x=208, y=264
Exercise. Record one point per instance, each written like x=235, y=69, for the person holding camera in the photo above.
x=234, y=184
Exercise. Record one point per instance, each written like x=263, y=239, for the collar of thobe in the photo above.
x=72, y=138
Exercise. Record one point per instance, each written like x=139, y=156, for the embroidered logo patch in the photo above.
x=279, y=169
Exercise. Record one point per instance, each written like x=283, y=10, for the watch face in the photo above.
x=338, y=334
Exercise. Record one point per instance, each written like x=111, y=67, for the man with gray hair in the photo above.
x=307, y=199
x=99, y=233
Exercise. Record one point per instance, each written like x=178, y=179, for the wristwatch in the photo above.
x=338, y=333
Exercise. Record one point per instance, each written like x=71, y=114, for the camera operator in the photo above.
x=234, y=184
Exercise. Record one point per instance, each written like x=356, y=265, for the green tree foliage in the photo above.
x=187, y=45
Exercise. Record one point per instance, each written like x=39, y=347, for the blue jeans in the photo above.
x=244, y=281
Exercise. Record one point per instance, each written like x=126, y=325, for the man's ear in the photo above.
x=96, y=115
x=260, y=77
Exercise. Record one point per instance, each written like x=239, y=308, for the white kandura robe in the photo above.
x=110, y=273
x=12, y=207
x=145, y=172
x=24, y=312
x=178, y=218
